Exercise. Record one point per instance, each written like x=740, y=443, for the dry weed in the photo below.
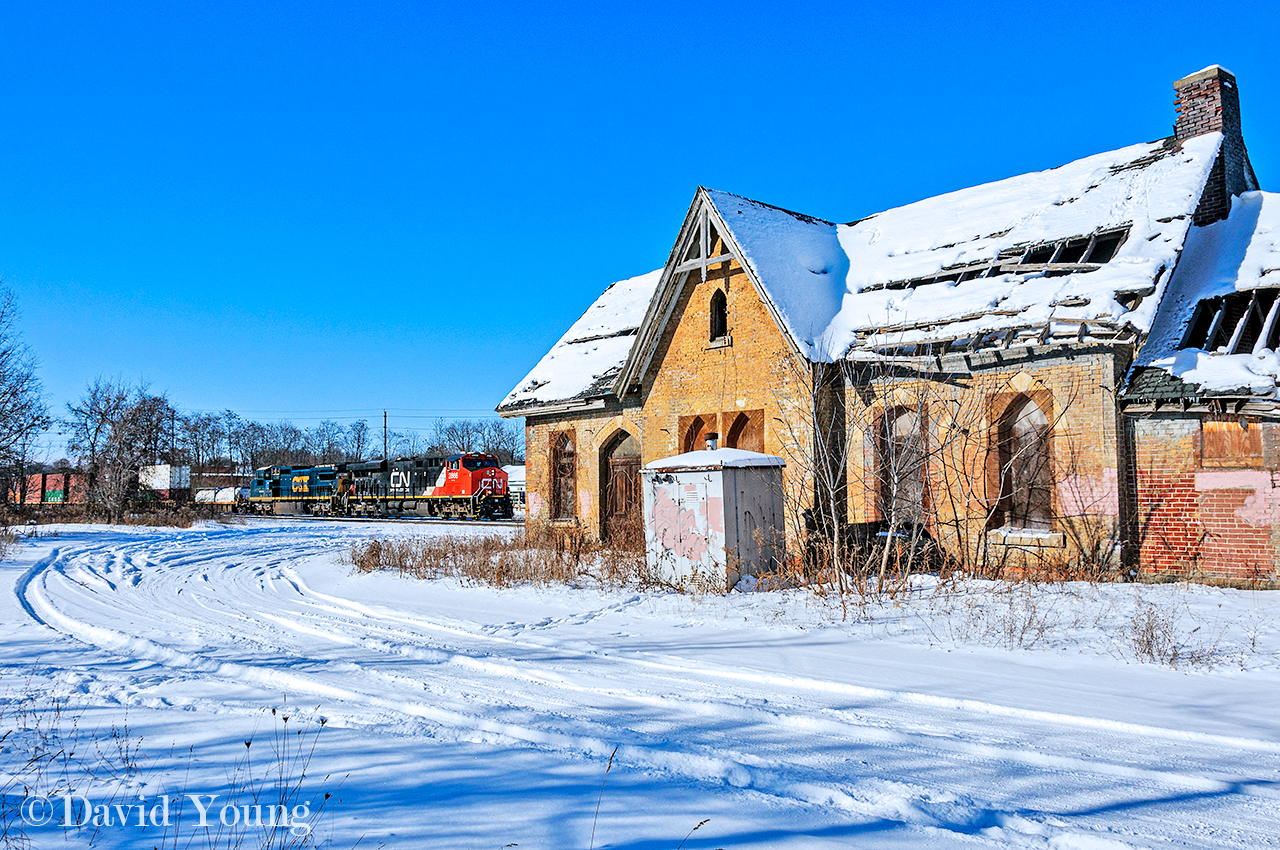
x=1012, y=614
x=538, y=557
x=1153, y=636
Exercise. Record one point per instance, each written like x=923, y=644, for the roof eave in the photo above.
x=552, y=407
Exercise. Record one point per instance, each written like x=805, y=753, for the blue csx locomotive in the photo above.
x=470, y=485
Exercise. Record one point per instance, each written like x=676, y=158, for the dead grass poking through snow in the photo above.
x=524, y=558
x=1153, y=635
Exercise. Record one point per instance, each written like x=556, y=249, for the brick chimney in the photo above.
x=1209, y=102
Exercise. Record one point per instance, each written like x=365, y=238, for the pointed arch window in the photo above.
x=694, y=430
x=746, y=431
x=719, y=315
x=564, y=476
x=1026, y=487
x=901, y=463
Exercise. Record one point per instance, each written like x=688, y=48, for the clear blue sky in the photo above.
x=305, y=209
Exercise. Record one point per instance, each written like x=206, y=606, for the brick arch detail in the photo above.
x=882, y=406
x=610, y=429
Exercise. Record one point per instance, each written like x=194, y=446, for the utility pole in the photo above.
x=384, y=436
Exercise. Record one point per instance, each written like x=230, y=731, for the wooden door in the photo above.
x=622, y=502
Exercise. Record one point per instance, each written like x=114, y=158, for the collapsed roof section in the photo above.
x=1218, y=328
x=1087, y=244
x=581, y=367
x=1082, y=252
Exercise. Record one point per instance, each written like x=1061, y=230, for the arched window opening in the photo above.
x=900, y=466
x=564, y=476
x=1026, y=486
x=695, y=433
x=719, y=315
x=747, y=432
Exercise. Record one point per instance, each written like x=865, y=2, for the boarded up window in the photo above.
x=1026, y=473
x=564, y=476
x=1229, y=444
x=900, y=465
x=746, y=431
x=694, y=430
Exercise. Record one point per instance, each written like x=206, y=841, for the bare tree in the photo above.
x=408, y=443
x=229, y=422
x=460, y=435
x=504, y=440
x=24, y=415
x=327, y=442
x=357, y=440
x=941, y=467
x=200, y=438
x=497, y=437
x=113, y=428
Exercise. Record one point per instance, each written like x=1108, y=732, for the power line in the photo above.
x=366, y=411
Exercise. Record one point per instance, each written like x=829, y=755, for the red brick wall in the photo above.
x=1202, y=522
x=1209, y=102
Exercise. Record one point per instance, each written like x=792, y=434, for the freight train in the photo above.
x=470, y=485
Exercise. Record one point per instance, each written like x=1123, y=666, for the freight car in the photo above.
x=470, y=485
x=49, y=488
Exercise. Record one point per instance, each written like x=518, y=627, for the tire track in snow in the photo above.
x=705, y=758
x=840, y=688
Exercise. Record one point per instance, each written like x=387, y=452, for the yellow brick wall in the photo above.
x=1074, y=388
x=758, y=370
x=593, y=431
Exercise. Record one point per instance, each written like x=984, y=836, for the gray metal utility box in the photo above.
x=712, y=517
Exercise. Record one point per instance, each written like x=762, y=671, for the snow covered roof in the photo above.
x=584, y=363
x=883, y=281
x=1084, y=250
x=798, y=260
x=1240, y=254
x=719, y=458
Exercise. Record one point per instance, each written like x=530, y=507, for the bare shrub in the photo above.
x=1153, y=636
x=168, y=518
x=540, y=556
x=282, y=809
x=1014, y=614
x=44, y=751
x=1026, y=616
x=8, y=538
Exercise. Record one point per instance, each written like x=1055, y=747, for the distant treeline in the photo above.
x=118, y=423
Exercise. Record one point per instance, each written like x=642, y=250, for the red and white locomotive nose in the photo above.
x=494, y=481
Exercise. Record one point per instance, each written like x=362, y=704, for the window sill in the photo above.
x=1027, y=539
x=1231, y=463
x=720, y=342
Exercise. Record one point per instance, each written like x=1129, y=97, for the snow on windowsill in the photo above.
x=1028, y=537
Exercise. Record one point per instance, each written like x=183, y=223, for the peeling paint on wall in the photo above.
x=679, y=529
x=1088, y=494
x=1262, y=507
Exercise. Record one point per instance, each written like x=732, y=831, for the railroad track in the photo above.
x=466, y=523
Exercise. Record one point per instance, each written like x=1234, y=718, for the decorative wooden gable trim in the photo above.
x=689, y=255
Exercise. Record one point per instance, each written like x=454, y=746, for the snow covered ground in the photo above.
x=472, y=717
